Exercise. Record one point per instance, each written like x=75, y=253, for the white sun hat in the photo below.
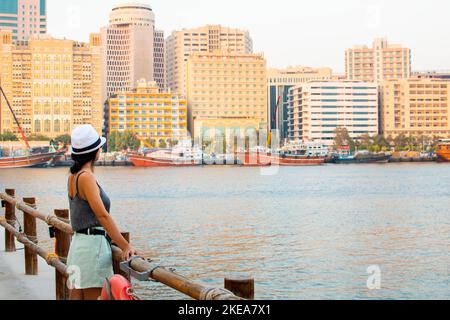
x=86, y=140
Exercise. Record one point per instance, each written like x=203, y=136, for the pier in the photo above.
x=32, y=286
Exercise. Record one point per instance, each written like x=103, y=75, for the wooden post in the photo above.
x=30, y=230
x=116, y=263
x=62, y=250
x=10, y=215
x=244, y=288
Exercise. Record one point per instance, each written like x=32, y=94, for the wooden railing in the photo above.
x=235, y=289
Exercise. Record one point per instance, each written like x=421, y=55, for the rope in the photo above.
x=215, y=294
x=12, y=223
x=33, y=239
x=51, y=257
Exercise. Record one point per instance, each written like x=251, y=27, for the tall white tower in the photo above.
x=128, y=47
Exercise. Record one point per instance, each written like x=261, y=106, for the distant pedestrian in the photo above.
x=90, y=255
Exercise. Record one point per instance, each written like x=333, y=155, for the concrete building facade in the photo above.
x=53, y=85
x=159, y=59
x=181, y=44
x=317, y=108
x=279, y=82
x=382, y=61
x=23, y=18
x=415, y=107
x=226, y=90
x=128, y=47
x=149, y=112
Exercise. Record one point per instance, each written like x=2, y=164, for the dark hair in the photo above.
x=82, y=159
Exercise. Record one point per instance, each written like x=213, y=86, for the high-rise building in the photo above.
x=128, y=47
x=317, y=108
x=159, y=59
x=23, y=18
x=415, y=107
x=279, y=82
x=226, y=90
x=149, y=112
x=180, y=44
x=382, y=61
x=52, y=85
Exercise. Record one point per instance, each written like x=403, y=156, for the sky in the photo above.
x=289, y=32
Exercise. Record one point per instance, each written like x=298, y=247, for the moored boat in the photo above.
x=443, y=151
x=182, y=155
x=345, y=156
x=293, y=154
x=28, y=159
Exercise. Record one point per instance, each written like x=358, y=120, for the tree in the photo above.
x=401, y=142
x=380, y=143
x=173, y=143
x=8, y=136
x=120, y=141
x=162, y=144
x=364, y=142
x=38, y=137
x=342, y=138
x=64, y=139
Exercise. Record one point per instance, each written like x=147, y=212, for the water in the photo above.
x=303, y=233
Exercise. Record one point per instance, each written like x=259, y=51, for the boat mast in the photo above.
x=15, y=118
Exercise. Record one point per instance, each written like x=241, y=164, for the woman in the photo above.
x=90, y=257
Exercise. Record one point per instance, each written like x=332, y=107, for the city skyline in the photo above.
x=315, y=46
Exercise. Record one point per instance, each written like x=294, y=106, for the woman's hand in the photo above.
x=128, y=252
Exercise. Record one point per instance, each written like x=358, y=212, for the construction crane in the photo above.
x=144, y=141
x=15, y=119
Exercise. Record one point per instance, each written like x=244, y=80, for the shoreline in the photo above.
x=121, y=163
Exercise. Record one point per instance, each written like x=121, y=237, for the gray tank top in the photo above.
x=81, y=214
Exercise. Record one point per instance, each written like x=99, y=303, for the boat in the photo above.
x=299, y=153
x=345, y=156
x=255, y=157
x=443, y=151
x=28, y=157
x=182, y=155
x=293, y=154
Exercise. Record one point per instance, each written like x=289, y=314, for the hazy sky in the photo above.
x=289, y=32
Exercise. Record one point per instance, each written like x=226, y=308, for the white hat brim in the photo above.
x=102, y=143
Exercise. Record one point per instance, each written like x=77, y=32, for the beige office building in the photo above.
x=210, y=38
x=279, y=82
x=318, y=108
x=53, y=85
x=227, y=90
x=382, y=61
x=415, y=107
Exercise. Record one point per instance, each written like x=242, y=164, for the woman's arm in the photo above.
x=90, y=191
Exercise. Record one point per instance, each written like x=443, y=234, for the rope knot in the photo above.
x=216, y=294
x=51, y=257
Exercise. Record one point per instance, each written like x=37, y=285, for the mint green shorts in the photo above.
x=89, y=262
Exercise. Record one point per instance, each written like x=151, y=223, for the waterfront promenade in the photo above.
x=15, y=285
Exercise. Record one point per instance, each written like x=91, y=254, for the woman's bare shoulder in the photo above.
x=86, y=177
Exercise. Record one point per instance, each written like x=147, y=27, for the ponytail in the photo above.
x=76, y=167
x=80, y=160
